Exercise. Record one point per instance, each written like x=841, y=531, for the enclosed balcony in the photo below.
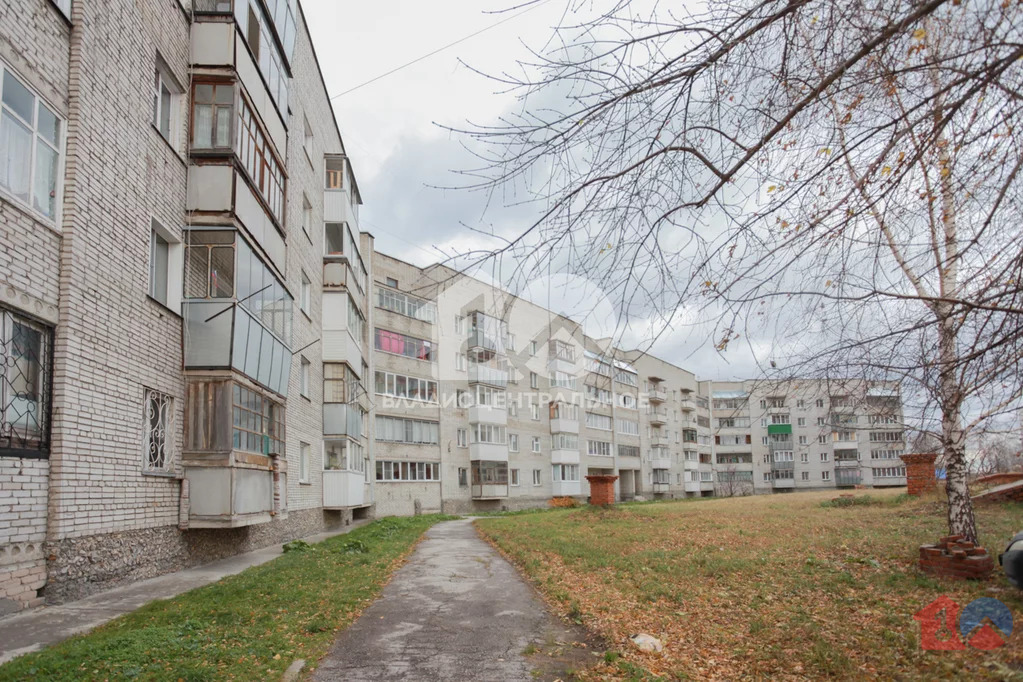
x=659, y=458
x=344, y=474
x=237, y=313
x=486, y=337
x=561, y=357
x=234, y=441
x=847, y=458
x=847, y=477
x=490, y=373
x=489, y=480
x=341, y=198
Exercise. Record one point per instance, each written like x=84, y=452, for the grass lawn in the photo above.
x=778, y=586
x=249, y=626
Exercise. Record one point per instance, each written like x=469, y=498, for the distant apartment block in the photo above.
x=204, y=353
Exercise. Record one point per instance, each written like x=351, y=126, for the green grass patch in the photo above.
x=761, y=587
x=249, y=626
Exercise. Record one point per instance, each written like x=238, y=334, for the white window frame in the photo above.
x=303, y=376
x=513, y=477
x=158, y=434
x=305, y=296
x=825, y=475
x=175, y=266
x=462, y=438
x=534, y=381
x=513, y=442
x=33, y=126
x=303, y=462
x=536, y=444
x=537, y=477
x=163, y=79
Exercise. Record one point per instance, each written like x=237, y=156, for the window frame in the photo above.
x=28, y=448
x=174, y=275
x=58, y=146
x=164, y=425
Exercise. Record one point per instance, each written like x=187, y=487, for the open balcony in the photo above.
x=657, y=416
x=686, y=404
x=657, y=394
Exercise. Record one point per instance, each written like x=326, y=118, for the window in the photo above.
x=536, y=443
x=565, y=472
x=303, y=462
x=30, y=144
x=763, y=421
x=459, y=325
x=824, y=457
x=820, y=402
x=307, y=139
x=534, y=412
x=463, y=477
x=533, y=381
x=304, y=377
x=598, y=448
x=159, y=431
x=460, y=362
x=487, y=433
x=799, y=403
x=256, y=29
x=488, y=396
x=305, y=295
x=64, y=6
x=401, y=430
x=802, y=440
x=405, y=386
x=258, y=422
x=821, y=421
x=825, y=475
x=822, y=439
x=805, y=475
x=408, y=471
x=260, y=162
x=165, y=102
x=513, y=442
x=340, y=383
x=889, y=472
x=627, y=400
x=628, y=451
x=307, y=217
x=339, y=241
x=562, y=380
x=598, y=421
x=400, y=344
x=532, y=347
x=801, y=421
x=513, y=476
x=763, y=440
x=159, y=250
x=462, y=438
x=886, y=454
x=536, y=477
x=209, y=264
x=24, y=387
x=599, y=395
x=343, y=455
x=565, y=441
x=404, y=304
x=885, y=436
x=628, y=426
x=212, y=115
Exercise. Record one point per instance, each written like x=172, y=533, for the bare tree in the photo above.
x=730, y=485
x=843, y=175
x=998, y=454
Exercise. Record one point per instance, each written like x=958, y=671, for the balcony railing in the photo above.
x=491, y=376
x=657, y=395
x=657, y=415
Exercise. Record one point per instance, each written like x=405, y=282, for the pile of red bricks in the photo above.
x=956, y=558
x=602, y=490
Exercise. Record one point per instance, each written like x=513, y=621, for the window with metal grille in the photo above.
x=159, y=432
x=24, y=387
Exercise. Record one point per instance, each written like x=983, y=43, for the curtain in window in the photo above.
x=15, y=156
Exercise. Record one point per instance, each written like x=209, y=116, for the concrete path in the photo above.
x=28, y=631
x=455, y=611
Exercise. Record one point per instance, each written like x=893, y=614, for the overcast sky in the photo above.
x=393, y=131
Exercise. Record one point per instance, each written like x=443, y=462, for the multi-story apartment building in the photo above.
x=203, y=353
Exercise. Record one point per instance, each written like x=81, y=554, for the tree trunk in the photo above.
x=960, y=507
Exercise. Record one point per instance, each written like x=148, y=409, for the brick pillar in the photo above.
x=920, y=472
x=602, y=490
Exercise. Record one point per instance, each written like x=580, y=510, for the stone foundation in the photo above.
x=81, y=566
x=953, y=557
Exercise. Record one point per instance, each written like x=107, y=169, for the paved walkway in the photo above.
x=455, y=611
x=31, y=630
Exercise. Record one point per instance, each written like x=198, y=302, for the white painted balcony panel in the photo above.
x=337, y=208
x=692, y=486
x=564, y=456
x=339, y=346
x=488, y=452
x=209, y=188
x=212, y=43
x=556, y=364
x=566, y=488
x=564, y=426
x=343, y=489
x=490, y=491
x=250, y=212
x=488, y=414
